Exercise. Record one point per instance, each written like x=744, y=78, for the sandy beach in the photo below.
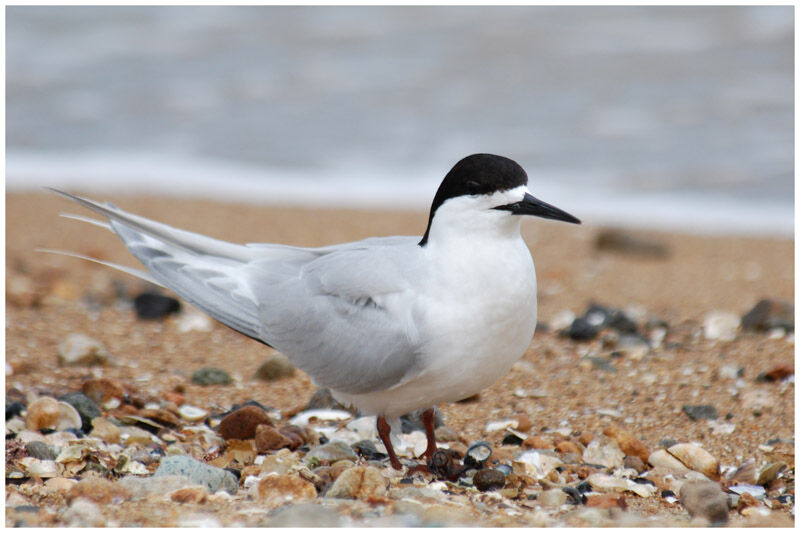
x=670, y=282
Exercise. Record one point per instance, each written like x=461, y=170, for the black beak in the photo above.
x=533, y=206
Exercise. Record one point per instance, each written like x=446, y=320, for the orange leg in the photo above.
x=428, y=419
x=384, y=431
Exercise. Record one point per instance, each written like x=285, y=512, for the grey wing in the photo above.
x=347, y=318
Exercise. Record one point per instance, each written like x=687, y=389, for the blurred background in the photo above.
x=659, y=117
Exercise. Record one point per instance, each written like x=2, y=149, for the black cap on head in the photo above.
x=477, y=174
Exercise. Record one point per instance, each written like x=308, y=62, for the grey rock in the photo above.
x=211, y=477
x=331, y=452
x=323, y=399
x=211, y=376
x=768, y=314
x=40, y=450
x=581, y=330
x=705, y=499
x=85, y=406
x=701, y=412
x=276, y=367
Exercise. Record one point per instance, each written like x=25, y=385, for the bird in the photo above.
x=390, y=325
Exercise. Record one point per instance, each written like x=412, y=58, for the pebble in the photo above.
x=768, y=314
x=59, y=484
x=105, y=392
x=701, y=412
x=80, y=350
x=39, y=467
x=607, y=454
x=269, y=438
x=632, y=347
x=83, y=513
x=662, y=458
x=366, y=449
x=242, y=423
x=194, y=495
x=552, y=498
x=276, y=367
x=306, y=515
x=323, y=399
x=720, y=325
x=705, y=499
x=331, y=452
x=211, y=376
x=609, y=500
x=276, y=489
x=14, y=408
x=43, y=413
x=153, y=306
x=99, y=490
x=537, y=443
x=524, y=422
x=756, y=491
x=581, y=330
x=106, y=431
x=85, y=406
x=618, y=241
x=359, y=482
x=192, y=413
x=696, y=458
x=489, y=479
x=566, y=446
x=778, y=372
x=634, y=462
x=630, y=445
x=199, y=473
x=40, y=450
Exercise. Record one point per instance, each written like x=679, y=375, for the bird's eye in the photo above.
x=473, y=187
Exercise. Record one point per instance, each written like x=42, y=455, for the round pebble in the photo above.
x=79, y=350
x=268, y=438
x=211, y=477
x=43, y=413
x=488, y=479
x=705, y=499
x=192, y=413
x=359, y=482
x=40, y=450
x=276, y=367
x=211, y=376
x=85, y=406
x=242, y=423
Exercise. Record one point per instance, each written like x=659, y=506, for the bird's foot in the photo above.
x=444, y=464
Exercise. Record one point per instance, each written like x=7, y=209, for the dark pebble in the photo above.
x=575, y=496
x=413, y=420
x=666, y=493
x=618, y=241
x=667, y=443
x=511, y=440
x=242, y=423
x=768, y=314
x=40, y=450
x=323, y=399
x=14, y=409
x=76, y=431
x=634, y=462
x=366, y=449
x=211, y=376
x=275, y=367
x=152, y=306
x=26, y=509
x=85, y=407
x=488, y=479
x=701, y=412
x=583, y=487
x=542, y=327
x=581, y=330
x=602, y=364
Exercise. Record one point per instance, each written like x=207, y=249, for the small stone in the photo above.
x=276, y=489
x=524, y=422
x=779, y=372
x=276, y=367
x=99, y=490
x=211, y=376
x=566, y=446
x=701, y=412
x=14, y=408
x=85, y=407
x=696, y=458
x=618, y=241
x=323, y=399
x=199, y=473
x=489, y=479
x=40, y=450
x=268, y=438
x=161, y=416
x=79, y=350
x=195, y=495
x=552, y=498
x=59, y=484
x=662, y=458
x=105, y=392
x=152, y=306
x=106, y=431
x=42, y=468
x=242, y=423
x=537, y=443
x=634, y=462
x=360, y=482
x=705, y=499
x=608, y=454
x=608, y=500
x=331, y=452
x=43, y=413
x=768, y=314
x=581, y=330
x=192, y=413
x=629, y=444
x=720, y=325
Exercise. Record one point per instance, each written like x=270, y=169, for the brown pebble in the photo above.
x=98, y=490
x=746, y=500
x=103, y=390
x=523, y=422
x=585, y=438
x=162, y=416
x=629, y=444
x=340, y=466
x=106, y=431
x=489, y=479
x=537, y=443
x=242, y=423
x=175, y=397
x=606, y=501
x=268, y=438
x=566, y=446
x=277, y=489
x=634, y=462
x=779, y=372
x=43, y=413
x=705, y=499
x=359, y=482
x=189, y=495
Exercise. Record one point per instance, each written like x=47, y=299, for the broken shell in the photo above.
x=40, y=467
x=192, y=413
x=477, y=454
x=768, y=474
x=663, y=459
x=696, y=458
x=68, y=417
